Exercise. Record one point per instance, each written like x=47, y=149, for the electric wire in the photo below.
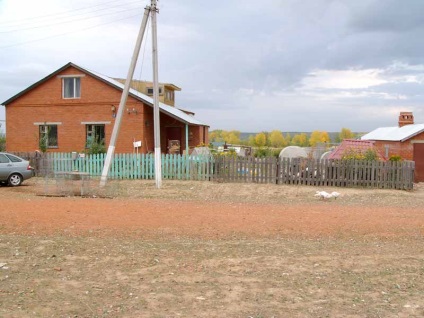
x=57, y=15
x=144, y=50
x=65, y=22
x=66, y=33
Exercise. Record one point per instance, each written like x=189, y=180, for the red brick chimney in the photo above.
x=406, y=118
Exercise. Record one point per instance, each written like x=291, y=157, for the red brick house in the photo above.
x=405, y=140
x=73, y=105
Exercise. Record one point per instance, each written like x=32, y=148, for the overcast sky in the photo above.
x=291, y=65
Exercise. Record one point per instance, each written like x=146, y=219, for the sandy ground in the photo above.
x=203, y=249
x=213, y=210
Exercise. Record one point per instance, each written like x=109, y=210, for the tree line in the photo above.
x=278, y=139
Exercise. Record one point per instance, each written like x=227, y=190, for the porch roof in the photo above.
x=166, y=109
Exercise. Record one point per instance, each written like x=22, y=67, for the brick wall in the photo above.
x=404, y=149
x=44, y=103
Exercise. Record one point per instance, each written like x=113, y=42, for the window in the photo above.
x=150, y=90
x=71, y=87
x=13, y=158
x=48, y=136
x=95, y=134
x=3, y=159
x=169, y=95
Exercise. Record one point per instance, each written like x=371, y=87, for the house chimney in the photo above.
x=406, y=118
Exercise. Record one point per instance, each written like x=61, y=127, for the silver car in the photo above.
x=14, y=170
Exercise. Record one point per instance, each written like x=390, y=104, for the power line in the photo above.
x=144, y=50
x=65, y=22
x=66, y=33
x=57, y=15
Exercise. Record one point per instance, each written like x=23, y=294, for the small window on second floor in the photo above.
x=169, y=95
x=71, y=87
x=150, y=90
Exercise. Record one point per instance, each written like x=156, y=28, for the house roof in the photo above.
x=136, y=84
x=354, y=145
x=394, y=133
x=168, y=110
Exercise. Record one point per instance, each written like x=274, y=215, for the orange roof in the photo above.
x=360, y=146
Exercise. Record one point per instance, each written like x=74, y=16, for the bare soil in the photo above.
x=203, y=249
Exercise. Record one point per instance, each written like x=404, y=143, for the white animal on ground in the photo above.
x=335, y=195
x=323, y=195
x=326, y=196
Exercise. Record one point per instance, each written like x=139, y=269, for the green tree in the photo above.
x=318, y=137
x=276, y=139
x=251, y=141
x=300, y=140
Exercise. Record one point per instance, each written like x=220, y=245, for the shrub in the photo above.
x=353, y=154
x=42, y=143
x=94, y=147
x=2, y=142
x=395, y=158
x=263, y=152
x=229, y=153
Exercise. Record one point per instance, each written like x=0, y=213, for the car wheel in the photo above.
x=15, y=180
x=3, y=183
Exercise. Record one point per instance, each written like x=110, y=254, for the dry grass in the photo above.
x=93, y=275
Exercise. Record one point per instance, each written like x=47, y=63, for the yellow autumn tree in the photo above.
x=288, y=139
x=232, y=137
x=276, y=139
x=318, y=137
x=260, y=139
x=215, y=135
x=345, y=133
x=300, y=140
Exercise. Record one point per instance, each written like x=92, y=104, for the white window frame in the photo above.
x=74, y=77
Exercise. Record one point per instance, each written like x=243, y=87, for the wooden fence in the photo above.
x=337, y=173
x=124, y=166
x=347, y=173
x=247, y=169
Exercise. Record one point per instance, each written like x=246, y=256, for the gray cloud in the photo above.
x=243, y=64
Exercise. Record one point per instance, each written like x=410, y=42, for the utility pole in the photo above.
x=124, y=97
x=156, y=118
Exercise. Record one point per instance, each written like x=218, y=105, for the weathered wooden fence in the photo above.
x=337, y=173
x=247, y=169
x=347, y=173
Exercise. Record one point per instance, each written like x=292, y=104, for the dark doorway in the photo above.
x=173, y=140
x=419, y=161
